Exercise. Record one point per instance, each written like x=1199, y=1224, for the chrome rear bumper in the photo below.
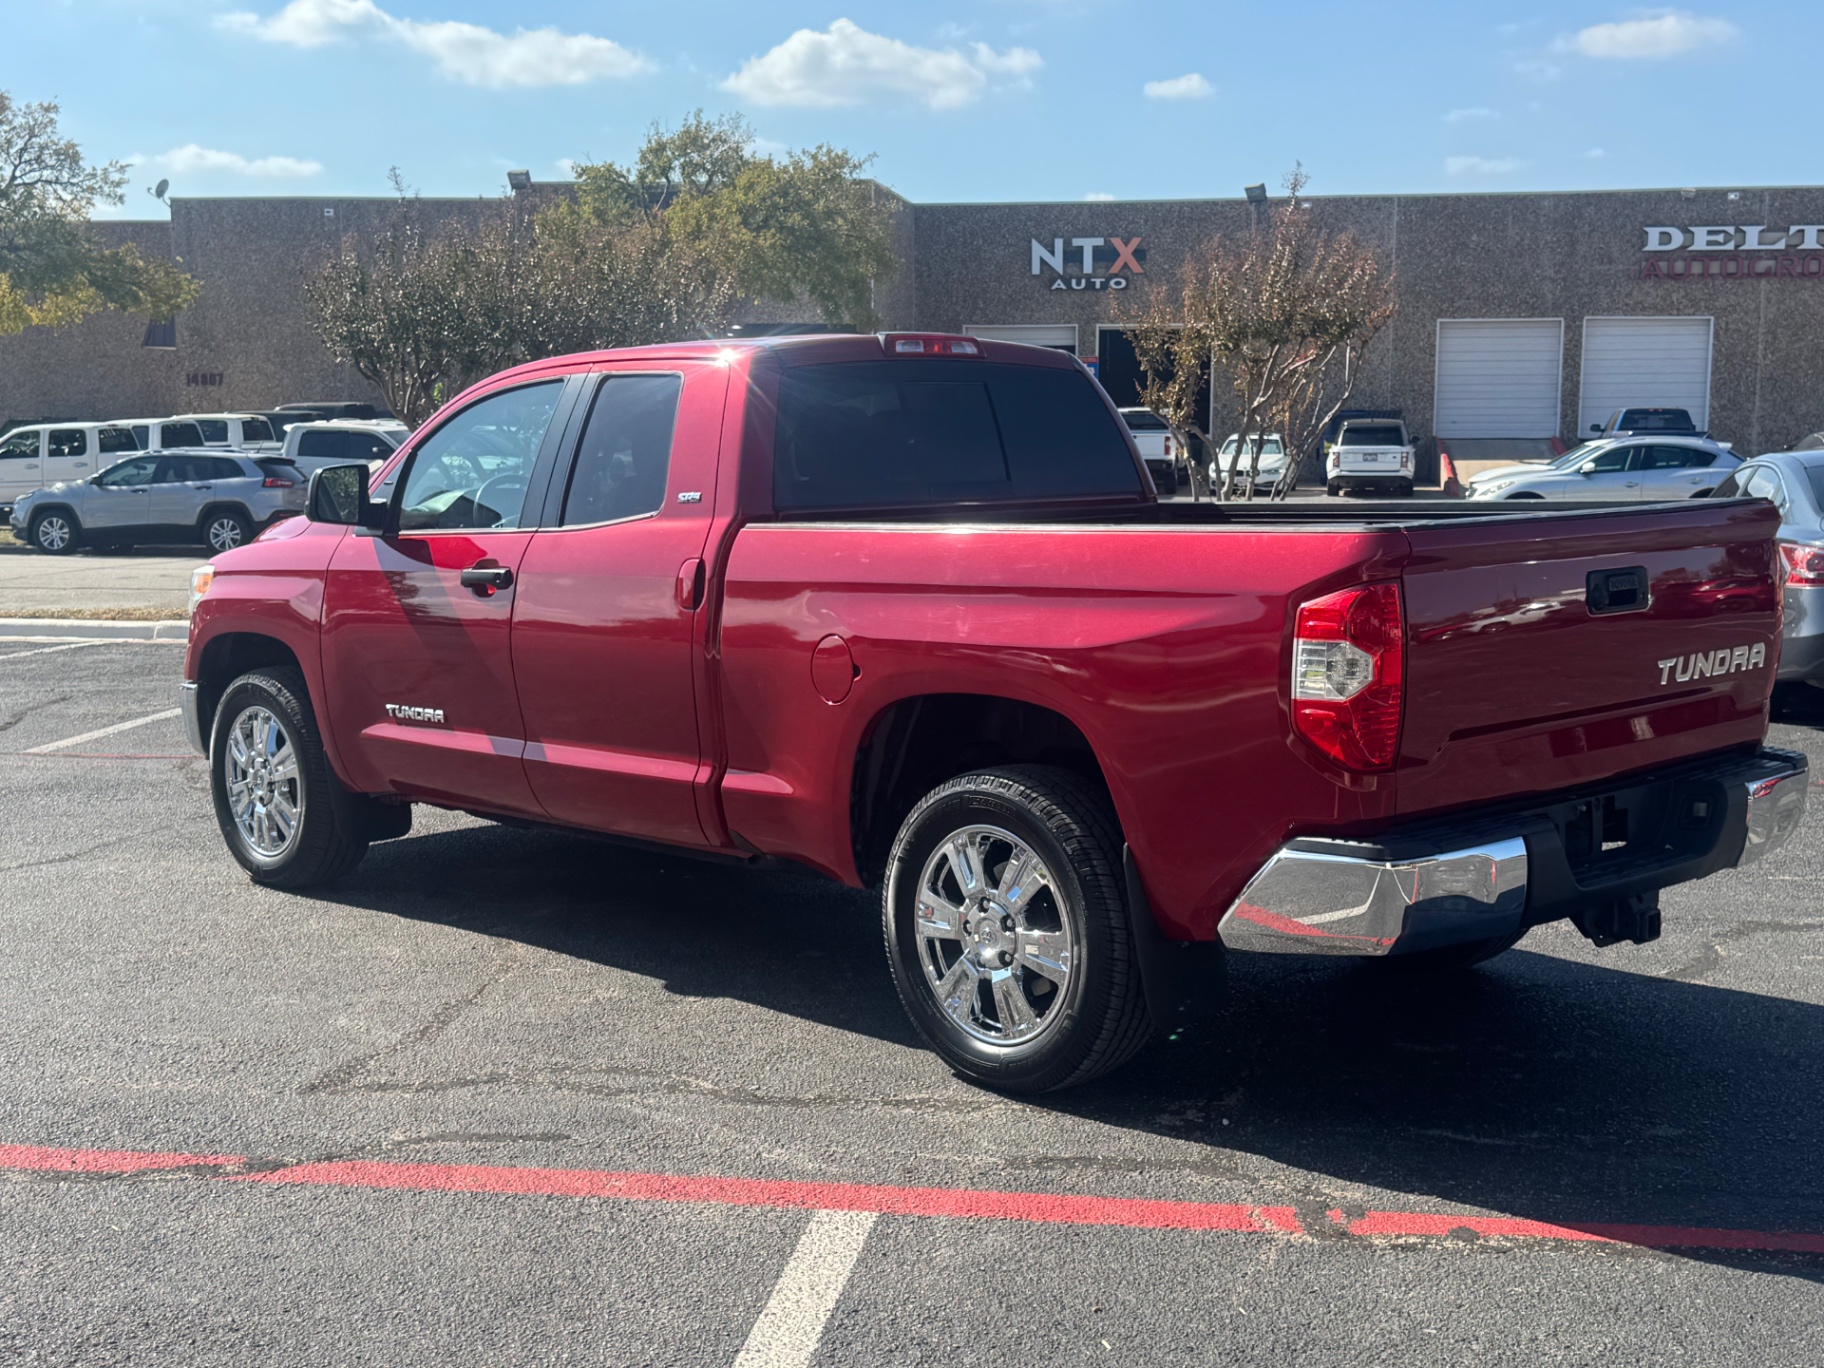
x=1419, y=889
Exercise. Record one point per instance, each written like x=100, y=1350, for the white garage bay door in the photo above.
x=1644, y=363
x=1499, y=377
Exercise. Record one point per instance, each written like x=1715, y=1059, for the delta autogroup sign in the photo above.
x=1754, y=251
x=1088, y=263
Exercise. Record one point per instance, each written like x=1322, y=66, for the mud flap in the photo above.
x=1183, y=980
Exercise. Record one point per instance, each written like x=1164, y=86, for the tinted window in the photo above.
x=367, y=446
x=1381, y=436
x=68, y=442
x=626, y=450
x=139, y=472
x=256, y=430
x=472, y=471
x=1145, y=420
x=320, y=443
x=222, y=468
x=1656, y=420
x=1676, y=458
x=1730, y=487
x=213, y=429
x=115, y=440
x=20, y=446
x=141, y=436
x=1764, y=483
x=280, y=470
x=180, y=434
x=903, y=433
x=181, y=470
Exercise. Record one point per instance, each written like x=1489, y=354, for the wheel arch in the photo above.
x=226, y=506
x=226, y=658
x=913, y=744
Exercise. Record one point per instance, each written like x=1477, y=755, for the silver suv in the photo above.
x=213, y=497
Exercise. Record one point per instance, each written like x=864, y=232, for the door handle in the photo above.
x=486, y=579
x=202, y=486
x=690, y=584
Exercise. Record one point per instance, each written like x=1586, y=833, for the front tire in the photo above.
x=1006, y=925
x=55, y=532
x=286, y=818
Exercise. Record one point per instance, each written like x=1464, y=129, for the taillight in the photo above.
x=274, y=482
x=1804, y=564
x=1348, y=675
x=1168, y=446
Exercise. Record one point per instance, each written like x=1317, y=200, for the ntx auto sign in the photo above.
x=1089, y=263
x=1734, y=252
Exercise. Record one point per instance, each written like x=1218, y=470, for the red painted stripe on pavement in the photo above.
x=1051, y=1208
x=891, y=1201
x=42, y=1159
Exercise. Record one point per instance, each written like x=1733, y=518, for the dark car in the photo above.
x=1626, y=422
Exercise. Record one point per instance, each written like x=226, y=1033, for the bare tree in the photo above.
x=1284, y=315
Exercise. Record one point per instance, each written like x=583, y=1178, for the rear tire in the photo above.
x=286, y=817
x=55, y=532
x=1038, y=987
x=224, y=529
x=1403, y=490
x=1333, y=489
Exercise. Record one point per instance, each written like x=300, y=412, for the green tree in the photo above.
x=52, y=269
x=1284, y=315
x=808, y=226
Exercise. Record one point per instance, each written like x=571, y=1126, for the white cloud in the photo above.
x=194, y=157
x=464, y=52
x=1190, y=87
x=1669, y=33
x=847, y=65
x=1479, y=166
x=1457, y=116
x=1098, y=196
x=1595, y=153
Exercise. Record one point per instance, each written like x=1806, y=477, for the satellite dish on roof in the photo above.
x=158, y=191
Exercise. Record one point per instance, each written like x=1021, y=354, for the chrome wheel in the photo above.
x=224, y=534
x=992, y=938
x=54, y=532
x=265, y=793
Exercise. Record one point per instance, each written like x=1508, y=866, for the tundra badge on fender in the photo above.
x=1723, y=660
x=404, y=712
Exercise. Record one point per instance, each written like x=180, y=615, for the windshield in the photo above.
x=1267, y=446
x=1580, y=452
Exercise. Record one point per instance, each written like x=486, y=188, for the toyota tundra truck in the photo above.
x=905, y=610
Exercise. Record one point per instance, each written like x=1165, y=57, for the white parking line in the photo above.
x=46, y=650
x=792, y=1321
x=69, y=741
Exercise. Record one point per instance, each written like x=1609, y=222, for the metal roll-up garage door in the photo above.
x=1057, y=336
x=1498, y=377
x=1644, y=363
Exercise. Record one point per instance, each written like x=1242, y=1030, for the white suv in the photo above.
x=45, y=453
x=342, y=441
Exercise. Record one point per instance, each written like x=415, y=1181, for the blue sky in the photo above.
x=995, y=100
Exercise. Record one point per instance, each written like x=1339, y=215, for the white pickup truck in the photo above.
x=1370, y=453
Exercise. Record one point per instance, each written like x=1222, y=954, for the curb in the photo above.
x=79, y=629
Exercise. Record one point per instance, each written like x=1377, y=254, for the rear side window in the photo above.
x=256, y=430
x=625, y=455
x=115, y=440
x=69, y=442
x=896, y=434
x=142, y=436
x=367, y=446
x=1144, y=420
x=182, y=434
x=1815, y=474
x=213, y=429
x=319, y=443
x=221, y=468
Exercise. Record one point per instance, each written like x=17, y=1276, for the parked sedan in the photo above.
x=1272, y=451
x=211, y=497
x=1639, y=469
x=1794, y=482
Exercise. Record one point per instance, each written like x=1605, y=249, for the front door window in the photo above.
x=473, y=471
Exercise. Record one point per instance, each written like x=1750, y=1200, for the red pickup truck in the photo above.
x=906, y=610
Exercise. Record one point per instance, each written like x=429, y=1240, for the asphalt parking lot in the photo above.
x=512, y=1097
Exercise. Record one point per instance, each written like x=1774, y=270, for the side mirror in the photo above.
x=338, y=495
x=1595, y=427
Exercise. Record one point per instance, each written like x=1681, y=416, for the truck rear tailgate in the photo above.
x=1521, y=679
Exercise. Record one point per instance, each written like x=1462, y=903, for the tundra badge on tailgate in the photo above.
x=1723, y=660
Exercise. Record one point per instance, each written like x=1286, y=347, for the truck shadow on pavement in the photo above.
x=1535, y=1086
